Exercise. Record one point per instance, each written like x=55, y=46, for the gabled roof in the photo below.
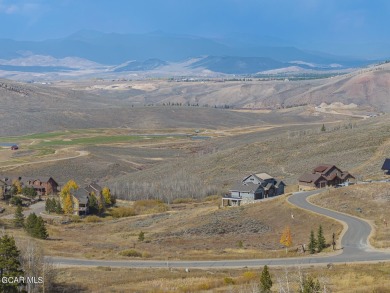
x=81, y=194
x=310, y=178
x=95, y=186
x=247, y=187
x=280, y=182
x=268, y=186
x=347, y=174
x=324, y=168
x=386, y=165
x=25, y=180
x=263, y=176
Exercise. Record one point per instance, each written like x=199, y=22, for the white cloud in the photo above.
x=11, y=9
x=20, y=7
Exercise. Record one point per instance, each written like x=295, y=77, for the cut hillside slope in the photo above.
x=368, y=87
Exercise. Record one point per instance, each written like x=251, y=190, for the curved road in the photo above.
x=355, y=248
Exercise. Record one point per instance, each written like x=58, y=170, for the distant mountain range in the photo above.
x=117, y=53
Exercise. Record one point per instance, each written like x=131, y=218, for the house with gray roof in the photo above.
x=254, y=187
x=80, y=198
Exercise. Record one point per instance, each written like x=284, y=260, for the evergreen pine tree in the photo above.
x=141, y=236
x=57, y=206
x=323, y=128
x=321, y=243
x=9, y=263
x=40, y=229
x=50, y=205
x=30, y=223
x=312, y=243
x=265, y=280
x=19, y=217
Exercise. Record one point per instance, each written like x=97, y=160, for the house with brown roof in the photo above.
x=254, y=187
x=42, y=185
x=386, y=167
x=324, y=175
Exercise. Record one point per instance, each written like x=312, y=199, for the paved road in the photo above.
x=354, y=241
x=37, y=208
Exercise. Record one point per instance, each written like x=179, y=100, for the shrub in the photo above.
x=121, y=212
x=75, y=219
x=182, y=200
x=92, y=219
x=150, y=206
x=212, y=198
x=141, y=236
x=229, y=281
x=16, y=201
x=131, y=253
x=146, y=254
x=249, y=276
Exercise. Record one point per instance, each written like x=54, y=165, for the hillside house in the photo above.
x=42, y=185
x=253, y=187
x=324, y=175
x=80, y=199
x=386, y=167
x=94, y=188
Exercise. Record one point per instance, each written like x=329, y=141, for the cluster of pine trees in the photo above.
x=307, y=284
x=53, y=206
x=317, y=244
x=35, y=226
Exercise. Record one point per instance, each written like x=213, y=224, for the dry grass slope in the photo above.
x=368, y=201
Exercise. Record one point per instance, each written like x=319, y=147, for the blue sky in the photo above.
x=336, y=26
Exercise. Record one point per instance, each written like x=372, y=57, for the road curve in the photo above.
x=355, y=248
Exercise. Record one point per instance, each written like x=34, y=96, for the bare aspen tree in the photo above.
x=35, y=266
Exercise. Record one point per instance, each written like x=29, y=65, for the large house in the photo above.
x=42, y=185
x=254, y=187
x=324, y=175
x=386, y=167
x=81, y=198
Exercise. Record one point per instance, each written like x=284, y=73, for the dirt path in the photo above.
x=11, y=166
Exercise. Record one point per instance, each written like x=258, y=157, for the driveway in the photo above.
x=37, y=208
x=354, y=242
